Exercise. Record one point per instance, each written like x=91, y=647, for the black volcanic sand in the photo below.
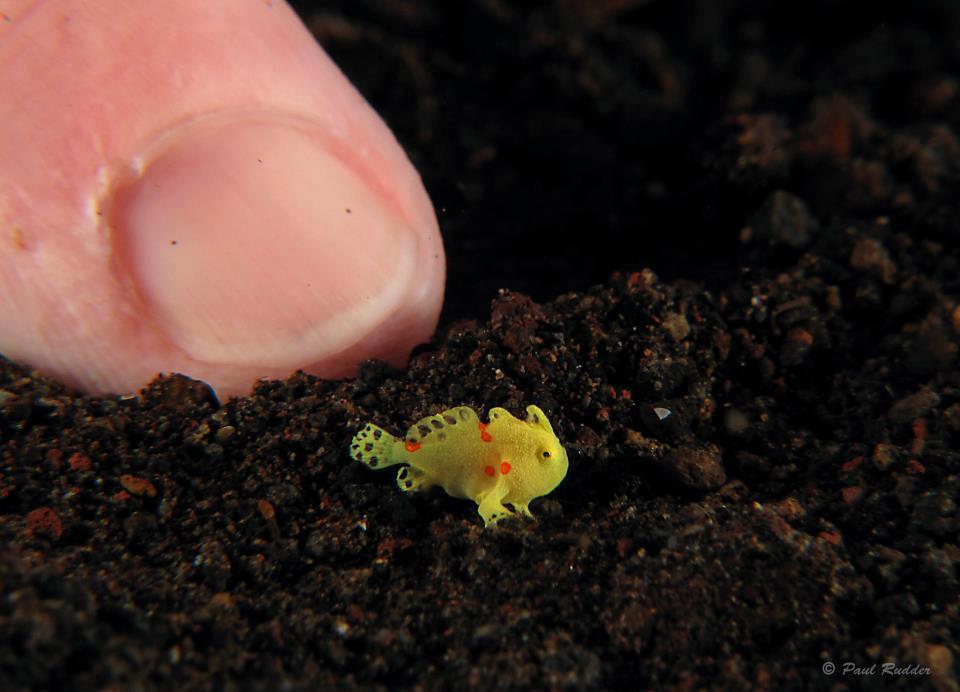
x=777, y=190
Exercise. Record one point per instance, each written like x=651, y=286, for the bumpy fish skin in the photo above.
x=505, y=461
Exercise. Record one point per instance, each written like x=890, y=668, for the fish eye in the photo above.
x=546, y=455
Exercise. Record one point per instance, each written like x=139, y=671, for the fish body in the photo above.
x=505, y=461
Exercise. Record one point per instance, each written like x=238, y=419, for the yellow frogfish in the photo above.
x=506, y=461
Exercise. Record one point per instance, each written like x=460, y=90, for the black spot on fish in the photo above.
x=403, y=473
x=423, y=430
x=450, y=419
x=464, y=414
x=435, y=423
x=536, y=418
x=441, y=436
x=374, y=461
x=377, y=434
x=368, y=447
x=408, y=484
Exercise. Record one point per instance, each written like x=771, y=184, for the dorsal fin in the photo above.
x=433, y=428
x=498, y=413
x=536, y=416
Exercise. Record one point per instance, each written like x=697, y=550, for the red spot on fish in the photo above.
x=505, y=468
x=412, y=446
x=489, y=470
x=484, y=435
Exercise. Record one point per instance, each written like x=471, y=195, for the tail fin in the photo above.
x=374, y=447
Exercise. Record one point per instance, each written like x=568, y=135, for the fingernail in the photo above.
x=254, y=240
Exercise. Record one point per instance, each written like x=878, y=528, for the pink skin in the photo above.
x=195, y=187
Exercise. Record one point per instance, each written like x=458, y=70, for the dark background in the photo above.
x=563, y=140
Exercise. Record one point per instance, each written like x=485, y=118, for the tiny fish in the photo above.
x=505, y=461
